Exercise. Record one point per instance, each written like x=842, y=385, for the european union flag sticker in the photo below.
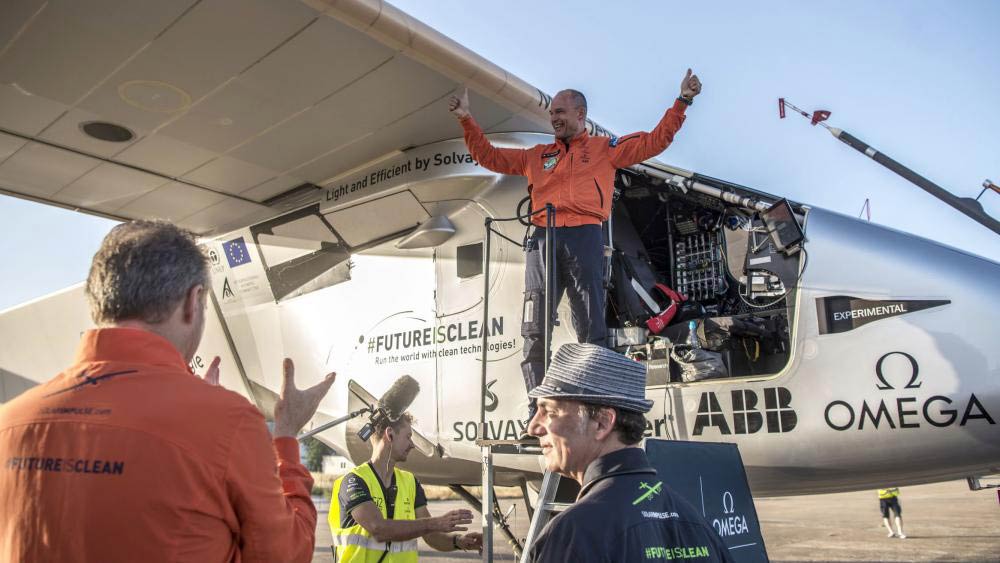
x=236, y=252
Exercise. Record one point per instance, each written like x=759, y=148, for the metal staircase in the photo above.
x=555, y=495
x=546, y=504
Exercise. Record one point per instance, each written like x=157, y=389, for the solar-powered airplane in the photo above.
x=309, y=143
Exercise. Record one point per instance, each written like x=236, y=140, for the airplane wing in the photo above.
x=217, y=114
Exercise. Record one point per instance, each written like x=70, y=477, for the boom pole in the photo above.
x=968, y=206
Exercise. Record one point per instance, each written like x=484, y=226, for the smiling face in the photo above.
x=567, y=115
x=567, y=435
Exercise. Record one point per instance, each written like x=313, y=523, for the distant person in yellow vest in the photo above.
x=889, y=499
x=378, y=510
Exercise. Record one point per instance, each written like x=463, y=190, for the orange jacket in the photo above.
x=578, y=178
x=127, y=456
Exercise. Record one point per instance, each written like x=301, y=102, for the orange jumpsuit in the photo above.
x=577, y=178
x=127, y=456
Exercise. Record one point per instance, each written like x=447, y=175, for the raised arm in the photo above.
x=267, y=485
x=268, y=489
x=637, y=147
x=504, y=161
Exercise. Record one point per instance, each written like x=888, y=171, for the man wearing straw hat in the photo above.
x=589, y=423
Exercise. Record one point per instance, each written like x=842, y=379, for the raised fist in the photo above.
x=459, y=106
x=690, y=86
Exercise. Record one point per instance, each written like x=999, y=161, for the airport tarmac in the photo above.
x=942, y=521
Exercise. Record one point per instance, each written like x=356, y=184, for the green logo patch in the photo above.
x=550, y=163
x=648, y=491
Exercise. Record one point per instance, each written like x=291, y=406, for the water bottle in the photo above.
x=693, y=341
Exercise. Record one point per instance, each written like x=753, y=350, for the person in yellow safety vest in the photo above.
x=373, y=522
x=889, y=499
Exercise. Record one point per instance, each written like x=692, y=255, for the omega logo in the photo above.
x=728, y=504
x=936, y=410
x=731, y=524
x=914, y=374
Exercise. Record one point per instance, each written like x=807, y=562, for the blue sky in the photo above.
x=918, y=80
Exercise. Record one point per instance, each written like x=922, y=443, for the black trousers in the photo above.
x=579, y=258
x=886, y=503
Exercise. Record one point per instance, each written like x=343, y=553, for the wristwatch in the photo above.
x=687, y=101
x=454, y=542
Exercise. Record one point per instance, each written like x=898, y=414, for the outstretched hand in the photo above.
x=454, y=520
x=459, y=106
x=296, y=406
x=690, y=86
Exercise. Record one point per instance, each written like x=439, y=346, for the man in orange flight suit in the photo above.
x=576, y=174
x=128, y=456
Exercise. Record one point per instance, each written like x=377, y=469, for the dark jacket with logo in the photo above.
x=578, y=177
x=625, y=514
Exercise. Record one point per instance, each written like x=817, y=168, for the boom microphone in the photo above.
x=399, y=396
x=393, y=403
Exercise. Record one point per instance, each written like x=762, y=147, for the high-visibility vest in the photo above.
x=355, y=544
x=888, y=493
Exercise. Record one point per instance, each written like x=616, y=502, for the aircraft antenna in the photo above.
x=988, y=185
x=966, y=205
x=866, y=210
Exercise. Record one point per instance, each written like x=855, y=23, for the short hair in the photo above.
x=578, y=99
x=381, y=423
x=629, y=425
x=142, y=271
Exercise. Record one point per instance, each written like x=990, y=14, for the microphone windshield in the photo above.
x=398, y=397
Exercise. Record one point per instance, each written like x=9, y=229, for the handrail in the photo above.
x=550, y=238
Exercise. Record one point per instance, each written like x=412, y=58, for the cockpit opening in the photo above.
x=699, y=288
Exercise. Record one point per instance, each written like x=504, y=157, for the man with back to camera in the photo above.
x=589, y=424
x=576, y=175
x=128, y=456
x=378, y=510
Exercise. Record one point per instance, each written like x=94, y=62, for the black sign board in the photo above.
x=711, y=477
x=841, y=313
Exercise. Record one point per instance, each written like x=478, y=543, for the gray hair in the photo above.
x=629, y=425
x=142, y=272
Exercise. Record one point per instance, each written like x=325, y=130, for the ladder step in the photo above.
x=555, y=495
x=512, y=447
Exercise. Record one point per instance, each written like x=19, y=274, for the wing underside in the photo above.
x=239, y=109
